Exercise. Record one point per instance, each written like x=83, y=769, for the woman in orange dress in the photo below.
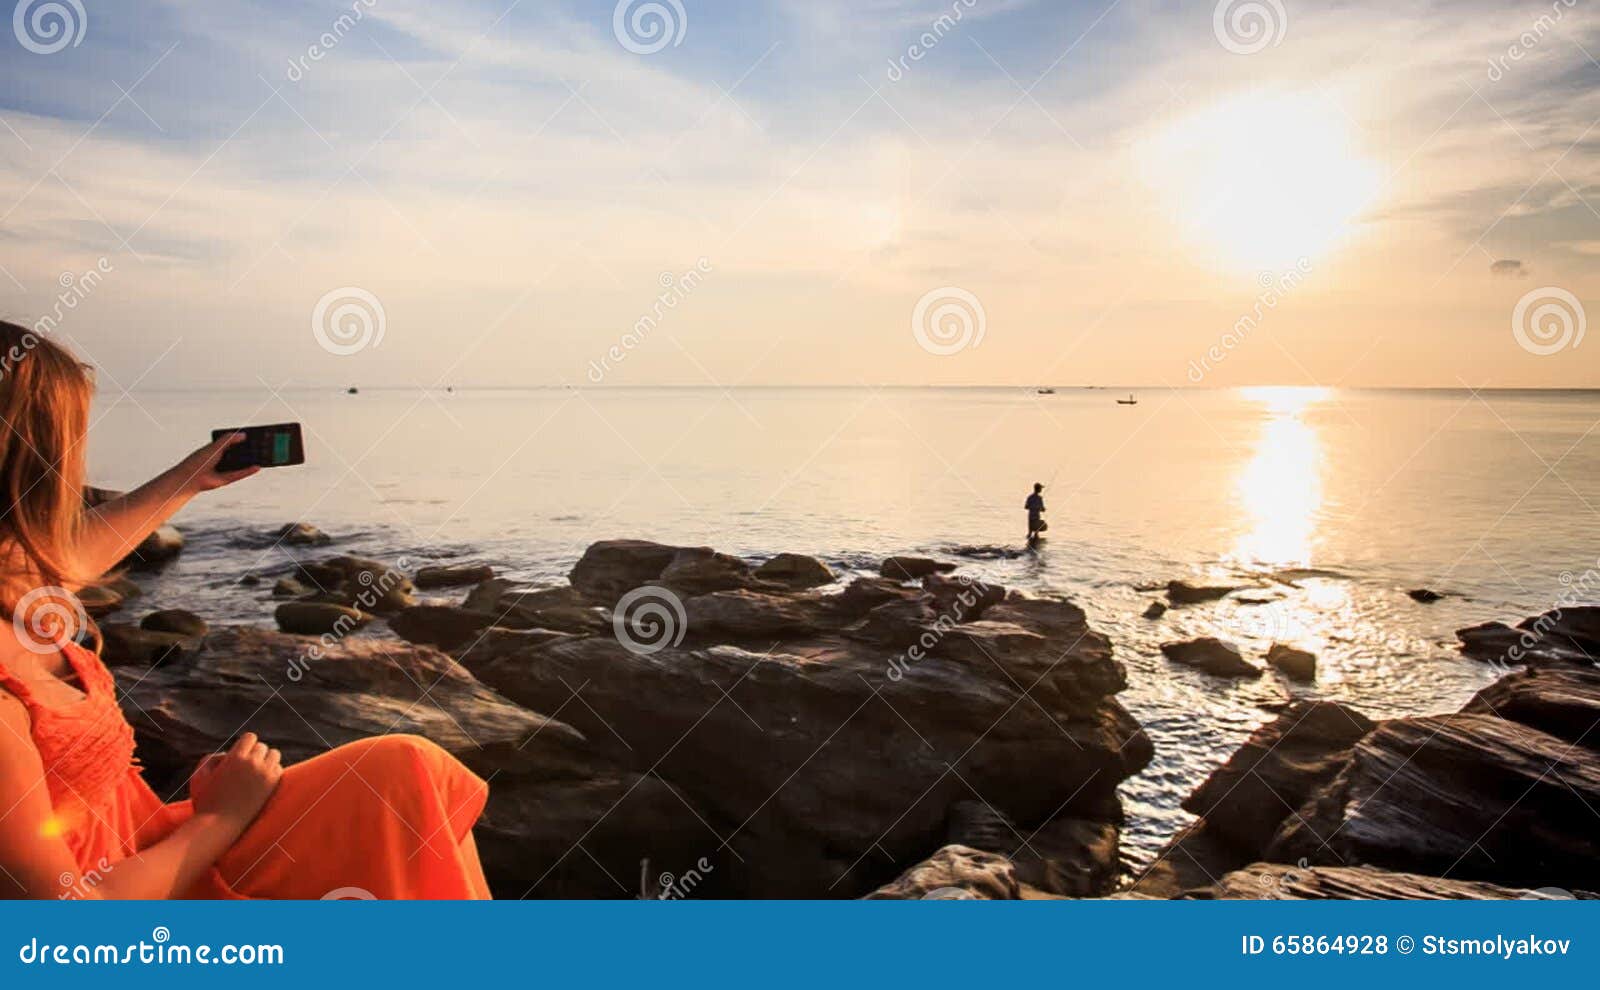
x=388, y=817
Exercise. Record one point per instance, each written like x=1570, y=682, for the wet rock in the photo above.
x=1192, y=860
x=1424, y=595
x=1274, y=881
x=955, y=873
x=866, y=593
x=912, y=568
x=1569, y=635
x=290, y=588
x=99, y=600
x=795, y=570
x=1066, y=857
x=1212, y=656
x=299, y=534
x=444, y=626
x=319, y=618
x=124, y=644
x=562, y=820
x=1155, y=610
x=1561, y=701
x=126, y=587
x=612, y=568
x=360, y=583
x=1469, y=796
x=731, y=616
x=1245, y=800
x=962, y=598
x=156, y=550
x=701, y=570
x=837, y=764
x=175, y=620
x=1295, y=664
x=1183, y=593
x=560, y=609
x=452, y=576
x=896, y=624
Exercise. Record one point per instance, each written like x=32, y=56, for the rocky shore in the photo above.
x=676, y=721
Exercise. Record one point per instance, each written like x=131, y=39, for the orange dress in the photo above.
x=388, y=817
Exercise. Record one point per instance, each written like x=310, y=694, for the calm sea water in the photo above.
x=1334, y=502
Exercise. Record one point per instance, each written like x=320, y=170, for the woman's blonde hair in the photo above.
x=44, y=404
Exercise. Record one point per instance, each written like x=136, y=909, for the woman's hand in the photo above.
x=234, y=786
x=198, y=472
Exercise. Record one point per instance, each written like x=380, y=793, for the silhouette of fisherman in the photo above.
x=1035, y=507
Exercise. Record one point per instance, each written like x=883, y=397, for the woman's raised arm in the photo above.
x=114, y=528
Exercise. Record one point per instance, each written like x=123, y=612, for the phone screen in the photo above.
x=278, y=445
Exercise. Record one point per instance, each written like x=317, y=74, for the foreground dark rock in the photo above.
x=858, y=718
x=563, y=820
x=1246, y=800
x=1441, y=806
x=1562, y=701
x=1471, y=796
x=1066, y=857
x=1563, y=636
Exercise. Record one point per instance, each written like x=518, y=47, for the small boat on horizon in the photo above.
x=1129, y=401
x=352, y=390
x=1047, y=391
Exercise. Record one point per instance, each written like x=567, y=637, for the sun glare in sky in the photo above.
x=1261, y=181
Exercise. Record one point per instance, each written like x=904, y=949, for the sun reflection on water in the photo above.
x=1280, y=489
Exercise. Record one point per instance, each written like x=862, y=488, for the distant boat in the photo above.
x=352, y=390
x=1047, y=391
x=1129, y=401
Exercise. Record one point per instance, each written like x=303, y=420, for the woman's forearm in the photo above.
x=171, y=866
x=114, y=528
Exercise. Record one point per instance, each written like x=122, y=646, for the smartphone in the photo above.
x=278, y=445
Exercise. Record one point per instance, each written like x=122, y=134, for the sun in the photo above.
x=1262, y=180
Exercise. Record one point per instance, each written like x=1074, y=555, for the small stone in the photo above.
x=180, y=621
x=1295, y=664
x=453, y=576
x=912, y=568
x=299, y=534
x=1212, y=656
x=319, y=618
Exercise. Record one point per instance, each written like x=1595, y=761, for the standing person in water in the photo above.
x=391, y=815
x=1035, y=507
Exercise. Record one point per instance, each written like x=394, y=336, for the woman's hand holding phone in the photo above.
x=199, y=470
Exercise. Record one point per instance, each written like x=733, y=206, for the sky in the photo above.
x=828, y=192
